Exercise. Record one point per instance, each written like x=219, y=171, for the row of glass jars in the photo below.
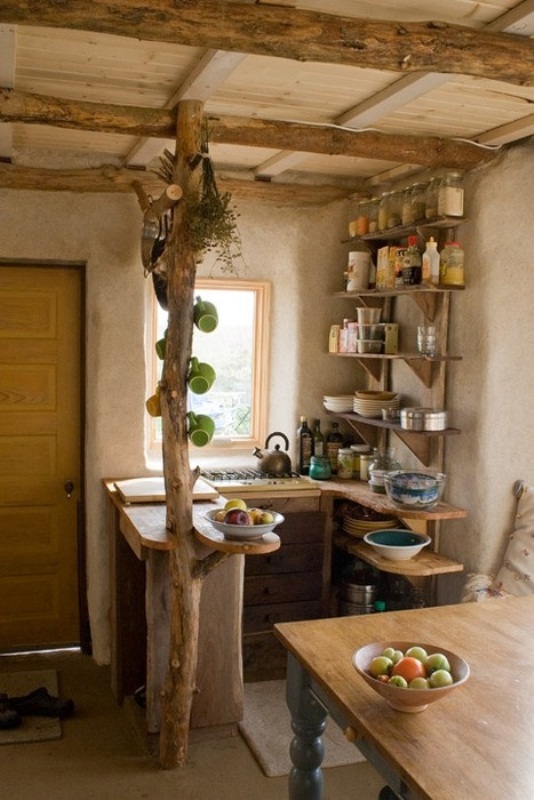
x=440, y=197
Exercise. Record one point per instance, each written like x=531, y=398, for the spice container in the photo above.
x=451, y=195
x=365, y=460
x=451, y=266
x=344, y=463
x=357, y=451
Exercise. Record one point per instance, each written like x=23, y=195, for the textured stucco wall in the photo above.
x=300, y=251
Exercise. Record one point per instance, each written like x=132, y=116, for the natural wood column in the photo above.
x=187, y=569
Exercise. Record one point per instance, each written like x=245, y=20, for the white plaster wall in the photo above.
x=300, y=251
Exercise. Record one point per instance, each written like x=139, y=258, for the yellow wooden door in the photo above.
x=40, y=450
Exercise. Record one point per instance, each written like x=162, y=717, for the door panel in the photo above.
x=40, y=449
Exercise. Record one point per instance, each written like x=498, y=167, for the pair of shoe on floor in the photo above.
x=38, y=703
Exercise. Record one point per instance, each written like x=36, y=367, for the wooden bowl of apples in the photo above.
x=237, y=521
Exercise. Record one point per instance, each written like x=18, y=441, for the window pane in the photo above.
x=237, y=352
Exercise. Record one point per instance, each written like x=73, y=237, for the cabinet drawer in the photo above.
x=304, y=526
x=289, y=558
x=266, y=589
x=262, y=618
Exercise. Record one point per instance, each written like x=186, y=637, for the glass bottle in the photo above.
x=451, y=195
x=334, y=442
x=412, y=265
x=304, y=446
x=318, y=439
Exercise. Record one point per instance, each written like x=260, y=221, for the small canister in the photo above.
x=344, y=463
x=412, y=419
x=357, y=451
x=365, y=460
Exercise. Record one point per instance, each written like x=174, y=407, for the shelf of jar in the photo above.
x=426, y=563
x=399, y=290
x=424, y=367
x=403, y=356
x=392, y=426
x=401, y=231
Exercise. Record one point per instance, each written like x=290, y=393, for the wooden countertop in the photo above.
x=360, y=492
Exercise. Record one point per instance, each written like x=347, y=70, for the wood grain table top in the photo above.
x=477, y=743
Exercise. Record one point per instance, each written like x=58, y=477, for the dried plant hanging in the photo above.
x=211, y=218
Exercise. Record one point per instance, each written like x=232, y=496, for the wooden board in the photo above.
x=152, y=490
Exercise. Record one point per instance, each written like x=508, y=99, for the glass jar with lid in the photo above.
x=394, y=209
x=362, y=218
x=451, y=265
x=418, y=198
x=320, y=469
x=431, y=199
x=451, y=195
x=383, y=211
x=407, y=215
x=373, y=214
x=344, y=463
x=384, y=460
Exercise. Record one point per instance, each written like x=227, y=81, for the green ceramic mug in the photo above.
x=201, y=376
x=200, y=429
x=205, y=315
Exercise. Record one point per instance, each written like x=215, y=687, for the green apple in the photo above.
x=388, y=652
x=437, y=661
x=417, y=652
x=440, y=678
x=266, y=518
x=380, y=665
x=398, y=680
x=397, y=655
x=419, y=683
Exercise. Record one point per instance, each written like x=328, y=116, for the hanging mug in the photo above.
x=205, y=315
x=201, y=376
x=200, y=428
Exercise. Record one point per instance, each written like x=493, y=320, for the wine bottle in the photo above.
x=334, y=441
x=318, y=439
x=304, y=446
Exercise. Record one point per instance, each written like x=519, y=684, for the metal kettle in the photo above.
x=275, y=462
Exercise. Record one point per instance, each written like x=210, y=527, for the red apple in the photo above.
x=236, y=516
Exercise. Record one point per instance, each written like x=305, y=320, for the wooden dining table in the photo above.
x=476, y=743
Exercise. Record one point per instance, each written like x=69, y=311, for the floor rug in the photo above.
x=266, y=727
x=31, y=729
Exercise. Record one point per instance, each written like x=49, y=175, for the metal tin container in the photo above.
x=360, y=594
x=423, y=419
x=412, y=419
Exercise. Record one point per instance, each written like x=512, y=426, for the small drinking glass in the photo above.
x=427, y=340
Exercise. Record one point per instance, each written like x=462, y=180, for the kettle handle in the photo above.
x=277, y=433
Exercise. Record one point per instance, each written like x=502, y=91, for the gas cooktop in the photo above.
x=249, y=480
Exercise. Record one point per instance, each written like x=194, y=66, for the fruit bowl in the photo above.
x=231, y=531
x=396, y=544
x=416, y=489
x=409, y=700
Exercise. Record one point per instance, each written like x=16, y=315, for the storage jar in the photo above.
x=451, y=266
x=344, y=463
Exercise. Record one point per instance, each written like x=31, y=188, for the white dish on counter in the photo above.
x=243, y=531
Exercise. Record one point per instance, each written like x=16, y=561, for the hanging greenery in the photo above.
x=211, y=218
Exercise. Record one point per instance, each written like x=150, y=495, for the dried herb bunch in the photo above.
x=211, y=218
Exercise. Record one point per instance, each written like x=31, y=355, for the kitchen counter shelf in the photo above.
x=360, y=492
x=425, y=564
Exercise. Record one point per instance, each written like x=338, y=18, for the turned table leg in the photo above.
x=308, y=722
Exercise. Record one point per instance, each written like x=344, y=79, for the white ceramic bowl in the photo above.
x=396, y=544
x=409, y=700
x=243, y=531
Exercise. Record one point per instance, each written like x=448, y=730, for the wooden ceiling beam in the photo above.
x=110, y=178
x=293, y=34
x=428, y=151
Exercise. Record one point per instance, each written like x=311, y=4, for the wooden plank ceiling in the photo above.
x=337, y=94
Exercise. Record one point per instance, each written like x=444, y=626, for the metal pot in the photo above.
x=275, y=462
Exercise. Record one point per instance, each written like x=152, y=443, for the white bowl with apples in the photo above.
x=237, y=521
x=442, y=672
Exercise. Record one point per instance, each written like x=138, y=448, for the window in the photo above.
x=238, y=351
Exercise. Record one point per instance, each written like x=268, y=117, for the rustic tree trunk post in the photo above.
x=185, y=576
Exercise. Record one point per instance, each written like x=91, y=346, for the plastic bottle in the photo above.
x=334, y=441
x=304, y=446
x=430, y=263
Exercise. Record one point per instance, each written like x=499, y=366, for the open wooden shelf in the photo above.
x=424, y=564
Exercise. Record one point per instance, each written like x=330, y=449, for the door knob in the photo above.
x=69, y=488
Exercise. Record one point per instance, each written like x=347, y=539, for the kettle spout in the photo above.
x=257, y=452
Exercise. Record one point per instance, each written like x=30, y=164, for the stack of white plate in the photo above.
x=340, y=404
x=372, y=407
x=359, y=527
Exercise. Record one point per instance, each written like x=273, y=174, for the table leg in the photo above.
x=308, y=722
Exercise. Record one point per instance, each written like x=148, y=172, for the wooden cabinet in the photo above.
x=287, y=585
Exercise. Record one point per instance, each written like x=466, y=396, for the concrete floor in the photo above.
x=102, y=754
